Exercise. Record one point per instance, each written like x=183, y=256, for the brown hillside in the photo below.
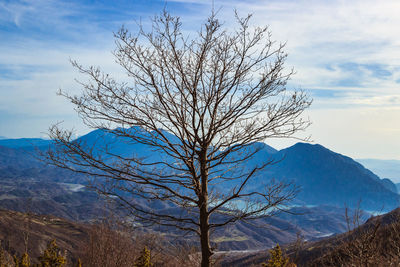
x=18, y=229
x=375, y=243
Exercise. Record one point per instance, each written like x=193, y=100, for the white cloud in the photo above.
x=321, y=36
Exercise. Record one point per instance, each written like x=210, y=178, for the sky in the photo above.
x=346, y=55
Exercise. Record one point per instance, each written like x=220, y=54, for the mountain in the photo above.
x=322, y=176
x=103, y=142
x=24, y=142
x=389, y=185
x=24, y=162
x=384, y=168
x=326, y=177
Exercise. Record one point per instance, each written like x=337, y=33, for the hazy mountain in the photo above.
x=326, y=177
x=24, y=142
x=16, y=158
x=384, y=168
x=390, y=185
x=18, y=163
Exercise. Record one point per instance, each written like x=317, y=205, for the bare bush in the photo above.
x=375, y=243
x=112, y=245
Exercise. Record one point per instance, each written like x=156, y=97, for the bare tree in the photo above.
x=202, y=103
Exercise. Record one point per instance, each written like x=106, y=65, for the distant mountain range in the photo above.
x=324, y=177
x=327, y=180
x=384, y=168
x=24, y=142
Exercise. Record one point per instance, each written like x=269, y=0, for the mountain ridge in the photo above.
x=326, y=177
x=333, y=178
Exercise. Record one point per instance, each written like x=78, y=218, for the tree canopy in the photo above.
x=202, y=103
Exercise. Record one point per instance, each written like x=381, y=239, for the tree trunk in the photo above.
x=205, y=238
x=204, y=216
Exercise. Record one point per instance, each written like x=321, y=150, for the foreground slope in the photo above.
x=38, y=230
x=376, y=243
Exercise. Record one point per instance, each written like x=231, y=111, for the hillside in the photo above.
x=374, y=243
x=70, y=201
x=40, y=189
x=107, y=243
x=284, y=228
x=38, y=231
x=82, y=205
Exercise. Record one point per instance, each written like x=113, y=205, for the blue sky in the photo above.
x=346, y=55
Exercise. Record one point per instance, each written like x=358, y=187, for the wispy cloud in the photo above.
x=321, y=33
x=345, y=54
